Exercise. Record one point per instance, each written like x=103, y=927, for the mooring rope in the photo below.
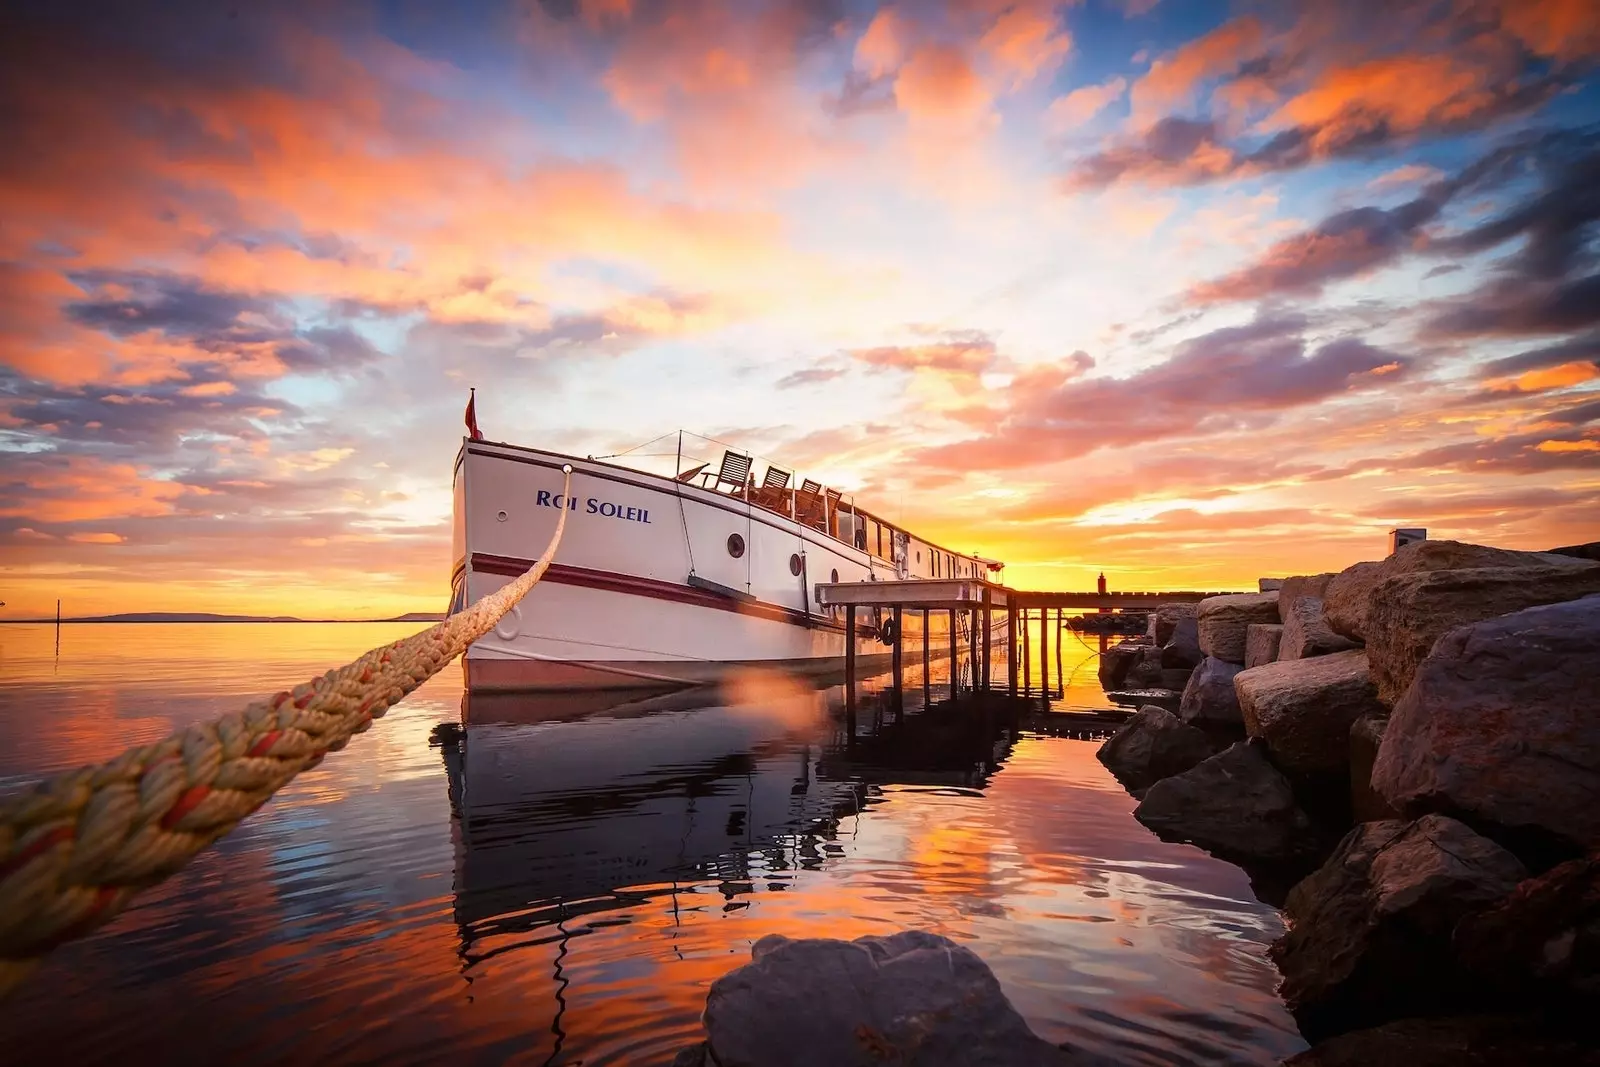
x=76, y=848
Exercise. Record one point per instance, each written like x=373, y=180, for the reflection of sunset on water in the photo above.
x=578, y=877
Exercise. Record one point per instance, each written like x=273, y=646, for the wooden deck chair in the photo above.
x=690, y=474
x=735, y=472
x=808, y=503
x=774, y=490
x=830, y=512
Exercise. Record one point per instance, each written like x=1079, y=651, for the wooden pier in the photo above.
x=976, y=602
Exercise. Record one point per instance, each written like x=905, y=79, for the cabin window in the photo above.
x=835, y=576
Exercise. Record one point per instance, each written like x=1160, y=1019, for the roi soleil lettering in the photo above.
x=594, y=506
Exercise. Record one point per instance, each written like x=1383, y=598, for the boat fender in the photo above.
x=886, y=632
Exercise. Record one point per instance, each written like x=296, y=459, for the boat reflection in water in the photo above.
x=565, y=809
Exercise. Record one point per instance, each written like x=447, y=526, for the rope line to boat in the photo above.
x=76, y=848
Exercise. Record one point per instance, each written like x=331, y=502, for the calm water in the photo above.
x=537, y=881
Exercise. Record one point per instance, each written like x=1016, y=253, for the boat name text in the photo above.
x=594, y=506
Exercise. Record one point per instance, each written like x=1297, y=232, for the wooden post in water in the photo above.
x=1027, y=652
x=58, y=626
x=1061, y=681
x=1044, y=653
x=850, y=668
x=972, y=645
x=955, y=663
x=1011, y=643
x=898, y=662
x=988, y=623
x=927, y=643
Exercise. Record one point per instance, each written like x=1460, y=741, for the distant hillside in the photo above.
x=206, y=616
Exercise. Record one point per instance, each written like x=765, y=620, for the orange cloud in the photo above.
x=1026, y=41
x=1082, y=104
x=80, y=489
x=1174, y=77
x=938, y=85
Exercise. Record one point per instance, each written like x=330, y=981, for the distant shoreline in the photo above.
x=194, y=617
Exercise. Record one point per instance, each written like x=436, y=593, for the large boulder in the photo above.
x=1461, y=1041
x=1224, y=620
x=1117, y=661
x=1298, y=586
x=1588, y=551
x=1152, y=745
x=1235, y=804
x=911, y=998
x=1409, y=612
x=1146, y=670
x=1370, y=938
x=1164, y=620
x=1349, y=595
x=1303, y=710
x=1261, y=641
x=1366, y=734
x=1209, y=699
x=1501, y=727
x=1181, y=649
x=1269, y=585
x=1543, y=941
x=1306, y=632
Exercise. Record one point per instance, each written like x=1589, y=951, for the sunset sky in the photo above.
x=1185, y=292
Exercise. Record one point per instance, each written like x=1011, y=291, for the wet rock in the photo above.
x=1366, y=734
x=1501, y=728
x=1175, y=678
x=1541, y=943
x=1349, y=595
x=1303, y=710
x=1182, y=646
x=1298, y=586
x=1261, y=643
x=1235, y=804
x=1224, y=620
x=1463, y=1041
x=908, y=998
x=1269, y=585
x=1306, y=632
x=1151, y=746
x=1371, y=933
x=1410, y=612
x=1165, y=618
x=1117, y=661
x=1209, y=700
x=1138, y=698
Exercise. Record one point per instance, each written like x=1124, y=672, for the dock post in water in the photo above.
x=988, y=623
x=955, y=662
x=1027, y=653
x=850, y=668
x=1061, y=681
x=972, y=646
x=1011, y=644
x=927, y=643
x=898, y=661
x=1044, y=653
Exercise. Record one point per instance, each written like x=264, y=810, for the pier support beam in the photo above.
x=1011, y=645
x=988, y=626
x=1061, y=681
x=955, y=661
x=898, y=664
x=927, y=644
x=972, y=647
x=850, y=669
x=1044, y=653
x=1027, y=652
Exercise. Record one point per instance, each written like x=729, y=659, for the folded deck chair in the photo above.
x=735, y=472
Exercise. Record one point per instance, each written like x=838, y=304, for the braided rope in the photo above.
x=76, y=848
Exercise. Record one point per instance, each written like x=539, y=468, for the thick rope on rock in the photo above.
x=76, y=848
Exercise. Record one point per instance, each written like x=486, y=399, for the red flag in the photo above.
x=472, y=417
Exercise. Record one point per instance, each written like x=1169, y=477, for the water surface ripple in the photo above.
x=559, y=881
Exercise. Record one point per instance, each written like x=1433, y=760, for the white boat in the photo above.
x=673, y=576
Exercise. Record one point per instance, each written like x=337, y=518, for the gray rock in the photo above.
x=1175, y=678
x=1151, y=746
x=1303, y=709
x=1209, y=699
x=1117, y=661
x=1298, y=586
x=1461, y=1041
x=1588, y=551
x=1224, y=620
x=1501, y=727
x=1409, y=612
x=1349, y=595
x=1542, y=942
x=1138, y=698
x=1306, y=632
x=1261, y=641
x=1269, y=585
x=908, y=998
x=1370, y=938
x=1235, y=804
x=1146, y=671
x=1182, y=646
x=1366, y=734
x=1165, y=618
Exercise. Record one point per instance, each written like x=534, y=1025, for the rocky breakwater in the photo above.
x=1432, y=720
x=1155, y=669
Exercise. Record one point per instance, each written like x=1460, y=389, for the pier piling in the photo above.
x=988, y=624
x=1044, y=653
x=850, y=668
x=955, y=663
x=898, y=665
x=1011, y=649
x=927, y=642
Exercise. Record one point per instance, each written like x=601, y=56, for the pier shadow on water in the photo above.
x=559, y=880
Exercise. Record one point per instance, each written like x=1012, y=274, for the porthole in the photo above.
x=500, y=515
x=919, y=555
x=834, y=578
x=795, y=564
x=735, y=546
